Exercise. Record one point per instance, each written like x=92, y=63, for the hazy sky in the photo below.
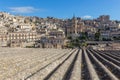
x=62, y=8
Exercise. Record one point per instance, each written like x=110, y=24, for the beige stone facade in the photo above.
x=16, y=39
x=51, y=42
x=76, y=27
x=54, y=39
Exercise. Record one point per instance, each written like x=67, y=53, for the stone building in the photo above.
x=56, y=33
x=3, y=36
x=53, y=39
x=51, y=42
x=76, y=26
x=16, y=39
x=104, y=18
x=71, y=27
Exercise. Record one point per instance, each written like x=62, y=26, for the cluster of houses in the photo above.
x=21, y=31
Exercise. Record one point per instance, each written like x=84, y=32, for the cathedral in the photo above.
x=74, y=26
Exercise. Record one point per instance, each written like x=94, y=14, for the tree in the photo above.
x=84, y=36
x=70, y=38
x=97, y=35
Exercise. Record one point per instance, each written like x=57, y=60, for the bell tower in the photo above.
x=74, y=24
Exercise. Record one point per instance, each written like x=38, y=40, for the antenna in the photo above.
x=73, y=15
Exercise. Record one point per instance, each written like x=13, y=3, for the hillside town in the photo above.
x=50, y=32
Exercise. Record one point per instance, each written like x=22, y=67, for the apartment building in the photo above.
x=15, y=39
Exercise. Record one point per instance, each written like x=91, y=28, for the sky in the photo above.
x=62, y=8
